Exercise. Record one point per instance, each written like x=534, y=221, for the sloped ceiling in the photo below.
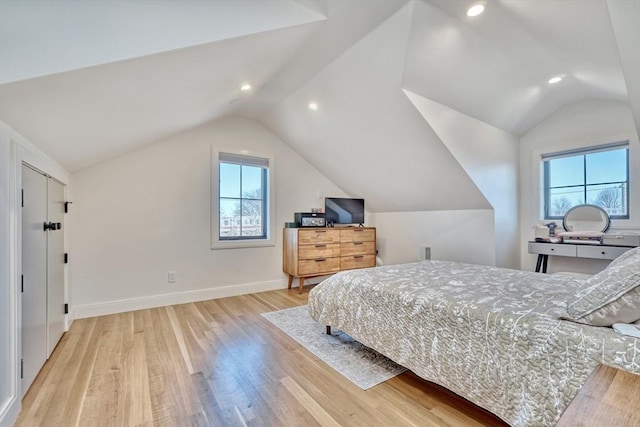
x=87, y=81
x=38, y=38
x=367, y=136
x=495, y=67
x=85, y=116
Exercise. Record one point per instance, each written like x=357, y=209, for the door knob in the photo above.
x=49, y=226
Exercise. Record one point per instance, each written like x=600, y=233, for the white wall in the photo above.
x=463, y=236
x=9, y=400
x=576, y=125
x=625, y=16
x=490, y=156
x=148, y=212
x=14, y=150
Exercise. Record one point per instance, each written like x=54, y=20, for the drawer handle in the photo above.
x=358, y=256
x=603, y=253
x=552, y=249
x=357, y=243
x=358, y=231
x=321, y=231
x=321, y=246
x=321, y=260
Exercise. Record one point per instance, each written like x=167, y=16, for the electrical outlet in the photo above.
x=171, y=277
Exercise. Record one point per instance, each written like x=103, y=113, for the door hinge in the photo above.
x=66, y=308
x=66, y=258
x=21, y=368
x=22, y=202
x=22, y=283
x=66, y=206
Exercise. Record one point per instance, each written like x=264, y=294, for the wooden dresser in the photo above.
x=312, y=252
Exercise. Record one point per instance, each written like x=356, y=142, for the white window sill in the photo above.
x=239, y=244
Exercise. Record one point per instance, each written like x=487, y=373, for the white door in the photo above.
x=55, y=265
x=34, y=271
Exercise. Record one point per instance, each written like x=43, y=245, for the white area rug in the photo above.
x=360, y=364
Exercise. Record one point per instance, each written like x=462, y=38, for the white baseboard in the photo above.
x=9, y=412
x=121, y=306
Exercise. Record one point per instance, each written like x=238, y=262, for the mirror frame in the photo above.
x=602, y=211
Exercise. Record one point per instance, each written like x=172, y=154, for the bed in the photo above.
x=494, y=336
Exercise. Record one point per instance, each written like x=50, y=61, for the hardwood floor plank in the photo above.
x=207, y=401
x=177, y=331
x=310, y=404
x=139, y=393
x=219, y=363
x=160, y=404
x=84, y=355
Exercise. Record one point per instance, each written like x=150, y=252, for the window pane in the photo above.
x=612, y=198
x=252, y=218
x=607, y=166
x=566, y=171
x=562, y=199
x=229, y=180
x=241, y=197
x=597, y=176
x=252, y=182
x=229, y=217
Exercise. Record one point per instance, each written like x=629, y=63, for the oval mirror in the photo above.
x=586, y=218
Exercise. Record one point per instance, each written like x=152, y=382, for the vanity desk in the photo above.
x=575, y=250
x=581, y=221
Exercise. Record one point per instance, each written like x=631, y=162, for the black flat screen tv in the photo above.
x=343, y=211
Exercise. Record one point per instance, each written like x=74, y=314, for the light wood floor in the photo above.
x=218, y=363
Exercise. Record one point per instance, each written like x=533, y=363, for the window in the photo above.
x=597, y=176
x=241, y=200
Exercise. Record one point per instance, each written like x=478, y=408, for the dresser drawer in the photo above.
x=357, y=261
x=357, y=248
x=552, y=249
x=319, y=250
x=318, y=235
x=358, y=235
x=318, y=266
x=600, y=252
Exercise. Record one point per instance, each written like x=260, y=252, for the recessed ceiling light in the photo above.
x=555, y=79
x=313, y=106
x=245, y=87
x=475, y=10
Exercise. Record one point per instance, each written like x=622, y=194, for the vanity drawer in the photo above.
x=552, y=249
x=600, y=252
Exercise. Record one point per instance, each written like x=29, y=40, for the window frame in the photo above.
x=267, y=239
x=545, y=158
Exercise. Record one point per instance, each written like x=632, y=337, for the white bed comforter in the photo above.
x=489, y=334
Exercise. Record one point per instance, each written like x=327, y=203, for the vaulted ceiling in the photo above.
x=88, y=81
